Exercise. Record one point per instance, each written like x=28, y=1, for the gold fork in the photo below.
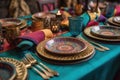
x=41, y=68
x=30, y=57
x=28, y=65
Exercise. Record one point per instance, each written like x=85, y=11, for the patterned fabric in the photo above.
x=18, y=8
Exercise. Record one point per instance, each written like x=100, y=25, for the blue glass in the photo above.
x=75, y=25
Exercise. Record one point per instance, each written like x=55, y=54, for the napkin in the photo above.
x=92, y=23
x=29, y=40
x=117, y=10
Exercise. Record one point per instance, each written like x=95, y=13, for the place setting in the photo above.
x=114, y=21
x=12, y=69
x=65, y=50
x=7, y=22
x=103, y=33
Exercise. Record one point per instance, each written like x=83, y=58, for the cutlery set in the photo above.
x=40, y=68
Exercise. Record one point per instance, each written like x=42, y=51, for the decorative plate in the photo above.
x=87, y=32
x=116, y=19
x=57, y=58
x=19, y=66
x=21, y=26
x=106, y=31
x=7, y=71
x=65, y=45
x=10, y=21
x=111, y=22
x=43, y=15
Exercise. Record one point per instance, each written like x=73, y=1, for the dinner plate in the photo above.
x=43, y=15
x=65, y=45
x=105, y=31
x=87, y=32
x=10, y=21
x=7, y=71
x=21, y=70
x=111, y=22
x=42, y=52
x=116, y=19
x=21, y=26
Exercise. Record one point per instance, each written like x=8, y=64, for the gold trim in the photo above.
x=88, y=33
x=23, y=24
x=20, y=67
x=86, y=53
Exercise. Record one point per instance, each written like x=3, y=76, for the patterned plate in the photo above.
x=7, y=71
x=65, y=45
x=105, y=31
x=87, y=32
x=10, y=21
x=43, y=15
x=116, y=19
x=57, y=58
x=20, y=67
x=111, y=22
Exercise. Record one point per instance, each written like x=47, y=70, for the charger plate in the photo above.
x=7, y=71
x=110, y=21
x=20, y=67
x=57, y=58
x=65, y=45
x=87, y=32
x=105, y=31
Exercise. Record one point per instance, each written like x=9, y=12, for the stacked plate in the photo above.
x=12, y=69
x=6, y=22
x=65, y=50
x=104, y=33
x=114, y=21
x=43, y=15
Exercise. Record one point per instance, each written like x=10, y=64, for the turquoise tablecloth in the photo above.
x=102, y=66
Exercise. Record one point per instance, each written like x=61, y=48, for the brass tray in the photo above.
x=87, y=32
x=110, y=20
x=20, y=67
x=85, y=54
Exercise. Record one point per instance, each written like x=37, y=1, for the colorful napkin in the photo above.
x=34, y=38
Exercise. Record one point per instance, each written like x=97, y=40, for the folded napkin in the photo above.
x=31, y=39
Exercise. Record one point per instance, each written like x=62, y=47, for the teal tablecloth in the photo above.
x=102, y=66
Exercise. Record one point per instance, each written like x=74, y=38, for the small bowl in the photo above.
x=7, y=71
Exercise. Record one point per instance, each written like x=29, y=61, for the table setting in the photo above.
x=80, y=53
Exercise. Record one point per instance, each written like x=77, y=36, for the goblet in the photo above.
x=75, y=25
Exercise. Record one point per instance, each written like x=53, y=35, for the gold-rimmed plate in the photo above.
x=57, y=58
x=43, y=15
x=111, y=22
x=10, y=21
x=105, y=31
x=87, y=32
x=20, y=67
x=7, y=71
